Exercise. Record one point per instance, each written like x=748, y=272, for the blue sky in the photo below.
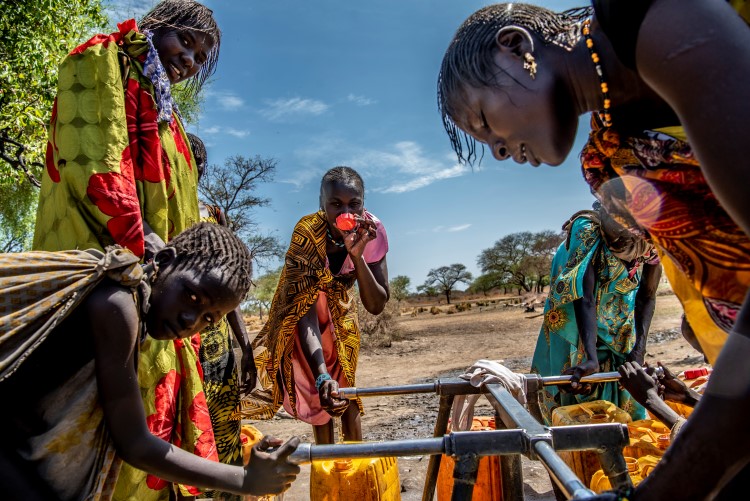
x=315, y=84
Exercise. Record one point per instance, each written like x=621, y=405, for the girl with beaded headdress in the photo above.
x=667, y=155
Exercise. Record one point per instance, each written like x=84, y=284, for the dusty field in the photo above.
x=443, y=345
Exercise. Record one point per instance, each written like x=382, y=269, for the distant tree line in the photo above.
x=519, y=261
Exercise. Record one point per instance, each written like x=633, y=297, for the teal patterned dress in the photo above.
x=559, y=346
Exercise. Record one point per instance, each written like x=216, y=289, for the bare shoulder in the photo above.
x=112, y=305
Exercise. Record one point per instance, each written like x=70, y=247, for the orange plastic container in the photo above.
x=355, y=480
x=646, y=438
x=488, y=486
x=586, y=463
x=638, y=469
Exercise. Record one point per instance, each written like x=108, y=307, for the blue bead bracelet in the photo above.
x=321, y=379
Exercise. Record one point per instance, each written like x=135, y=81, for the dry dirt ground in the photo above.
x=442, y=345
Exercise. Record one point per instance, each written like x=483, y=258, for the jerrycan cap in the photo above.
x=342, y=464
x=662, y=441
x=632, y=464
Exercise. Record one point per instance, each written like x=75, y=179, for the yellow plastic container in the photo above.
x=249, y=436
x=585, y=463
x=355, y=480
x=638, y=469
x=488, y=486
x=681, y=409
x=647, y=438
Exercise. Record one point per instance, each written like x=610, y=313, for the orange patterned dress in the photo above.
x=653, y=184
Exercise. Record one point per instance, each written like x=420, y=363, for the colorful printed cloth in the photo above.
x=111, y=165
x=559, y=346
x=72, y=452
x=221, y=384
x=653, y=184
x=305, y=276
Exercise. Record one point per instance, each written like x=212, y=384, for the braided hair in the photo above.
x=199, y=152
x=469, y=59
x=207, y=247
x=344, y=175
x=184, y=15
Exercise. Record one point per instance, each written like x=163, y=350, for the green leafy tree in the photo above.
x=445, y=278
x=399, y=287
x=34, y=37
x=428, y=290
x=263, y=290
x=486, y=282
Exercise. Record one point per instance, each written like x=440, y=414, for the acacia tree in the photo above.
x=543, y=251
x=263, y=290
x=508, y=256
x=488, y=281
x=399, y=287
x=233, y=187
x=524, y=258
x=446, y=278
x=428, y=290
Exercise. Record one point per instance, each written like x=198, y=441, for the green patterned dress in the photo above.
x=559, y=346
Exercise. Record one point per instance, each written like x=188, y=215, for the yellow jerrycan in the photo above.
x=375, y=479
x=585, y=463
x=488, y=486
x=638, y=469
x=648, y=437
x=249, y=436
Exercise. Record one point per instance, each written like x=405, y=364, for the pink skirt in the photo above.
x=308, y=402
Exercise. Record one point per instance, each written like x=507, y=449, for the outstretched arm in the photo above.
x=586, y=320
x=312, y=348
x=694, y=54
x=115, y=352
x=248, y=371
x=645, y=303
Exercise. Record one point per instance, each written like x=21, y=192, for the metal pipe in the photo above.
x=459, y=386
x=562, y=475
x=460, y=443
x=433, y=466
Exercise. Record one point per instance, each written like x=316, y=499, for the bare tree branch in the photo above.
x=16, y=158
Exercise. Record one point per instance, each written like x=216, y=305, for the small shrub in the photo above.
x=378, y=330
x=435, y=310
x=451, y=310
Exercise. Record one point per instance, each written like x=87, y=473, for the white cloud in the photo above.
x=237, y=132
x=278, y=109
x=215, y=129
x=460, y=227
x=228, y=101
x=400, y=168
x=409, y=169
x=360, y=100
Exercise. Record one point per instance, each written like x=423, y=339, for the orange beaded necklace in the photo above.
x=604, y=114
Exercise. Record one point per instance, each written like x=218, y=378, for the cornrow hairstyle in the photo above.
x=181, y=15
x=344, y=175
x=207, y=247
x=199, y=152
x=469, y=59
